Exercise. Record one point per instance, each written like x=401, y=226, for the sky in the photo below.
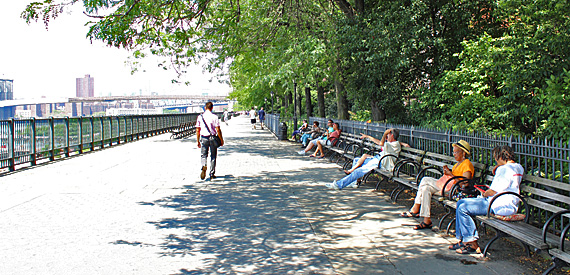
x=46, y=62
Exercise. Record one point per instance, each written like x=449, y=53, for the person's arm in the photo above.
x=375, y=140
x=219, y=131
x=403, y=144
x=198, y=137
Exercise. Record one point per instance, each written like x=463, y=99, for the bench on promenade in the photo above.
x=540, y=198
x=183, y=130
x=405, y=167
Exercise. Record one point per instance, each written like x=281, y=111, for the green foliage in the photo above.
x=555, y=106
x=493, y=66
x=361, y=115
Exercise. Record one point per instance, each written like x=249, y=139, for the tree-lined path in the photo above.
x=140, y=208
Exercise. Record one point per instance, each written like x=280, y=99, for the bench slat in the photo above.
x=546, y=194
x=547, y=182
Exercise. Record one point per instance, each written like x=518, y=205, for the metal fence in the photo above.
x=540, y=157
x=28, y=141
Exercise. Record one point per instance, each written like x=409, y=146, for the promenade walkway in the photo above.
x=140, y=208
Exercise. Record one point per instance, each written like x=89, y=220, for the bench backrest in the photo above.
x=438, y=160
x=544, y=197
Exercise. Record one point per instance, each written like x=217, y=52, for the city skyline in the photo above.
x=47, y=62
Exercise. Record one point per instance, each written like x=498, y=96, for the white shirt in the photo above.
x=507, y=178
x=390, y=148
x=211, y=120
x=252, y=114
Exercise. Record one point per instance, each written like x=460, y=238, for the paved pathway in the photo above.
x=140, y=208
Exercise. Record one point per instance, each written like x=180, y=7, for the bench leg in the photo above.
x=394, y=192
x=451, y=223
x=556, y=263
x=499, y=235
x=448, y=212
x=398, y=194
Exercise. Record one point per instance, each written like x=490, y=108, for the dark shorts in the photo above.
x=253, y=121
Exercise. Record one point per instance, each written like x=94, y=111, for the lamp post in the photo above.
x=272, y=106
x=294, y=104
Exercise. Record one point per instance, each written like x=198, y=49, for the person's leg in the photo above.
x=465, y=227
x=319, y=148
x=359, y=162
x=213, y=157
x=352, y=177
x=204, y=156
x=426, y=191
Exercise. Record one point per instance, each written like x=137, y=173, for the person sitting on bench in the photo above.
x=508, y=176
x=429, y=186
x=390, y=145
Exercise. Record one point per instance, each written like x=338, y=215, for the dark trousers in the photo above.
x=207, y=146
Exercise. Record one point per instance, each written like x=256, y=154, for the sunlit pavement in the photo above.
x=141, y=208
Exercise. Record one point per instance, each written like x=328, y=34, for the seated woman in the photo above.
x=429, y=186
x=508, y=176
x=313, y=133
x=331, y=137
x=313, y=142
x=301, y=129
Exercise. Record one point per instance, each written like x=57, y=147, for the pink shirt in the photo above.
x=211, y=120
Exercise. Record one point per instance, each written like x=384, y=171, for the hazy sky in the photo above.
x=46, y=62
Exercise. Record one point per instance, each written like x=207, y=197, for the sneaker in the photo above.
x=332, y=185
x=353, y=185
x=302, y=152
x=203, y=173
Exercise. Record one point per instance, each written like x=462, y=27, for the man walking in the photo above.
x=261, y=115
x=252, y=114
x=207, y=127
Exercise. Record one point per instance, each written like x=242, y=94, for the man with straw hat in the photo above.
x=429, y=186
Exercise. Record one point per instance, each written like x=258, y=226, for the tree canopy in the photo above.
x=493, y=66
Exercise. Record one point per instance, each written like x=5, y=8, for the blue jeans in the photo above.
x=208, y=146
x=368, y=164
x=465, y=227
x=305, y=138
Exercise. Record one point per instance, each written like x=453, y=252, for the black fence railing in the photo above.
x=540, y=157
x=29, y=141
x=544, y=158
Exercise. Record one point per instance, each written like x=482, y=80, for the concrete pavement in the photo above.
x=140, y=208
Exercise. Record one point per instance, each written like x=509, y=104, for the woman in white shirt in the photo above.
x=508, y=176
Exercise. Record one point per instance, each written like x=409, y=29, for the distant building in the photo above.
x=85, y=87
x=6, y=89
x=135, y=111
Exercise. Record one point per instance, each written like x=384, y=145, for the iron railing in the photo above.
x=540, y=157
x=29, y=141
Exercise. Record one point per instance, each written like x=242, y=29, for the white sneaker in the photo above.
x=332, y=185
x=353, y=185
x=302, y=152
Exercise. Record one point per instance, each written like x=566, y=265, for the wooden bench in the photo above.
x=430, y=164
x=560, y=256
x=183, y=130
x=539, y=197
x=405, y=168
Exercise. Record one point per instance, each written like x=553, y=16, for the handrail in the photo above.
x=27, y=141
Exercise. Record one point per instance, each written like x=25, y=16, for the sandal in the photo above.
x=423, y=225
x=456, y=246
x=468, y=250
x=312, y=156
x=320, y=157
x=410, y=215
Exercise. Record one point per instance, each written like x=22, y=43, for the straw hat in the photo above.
x=463, y=145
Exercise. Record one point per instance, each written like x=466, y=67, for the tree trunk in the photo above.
x=377, y=113
x=308, y=104
x=342, y=101
x=321, y=100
